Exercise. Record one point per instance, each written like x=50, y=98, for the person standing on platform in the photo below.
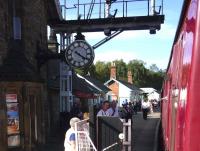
x=145, y=108
x=76, y=109
x=104, y=110
x=70, y=140
x=113, y=110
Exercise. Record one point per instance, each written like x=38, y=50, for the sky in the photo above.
x=129, y=45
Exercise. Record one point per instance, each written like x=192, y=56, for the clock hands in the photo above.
x=76, y=52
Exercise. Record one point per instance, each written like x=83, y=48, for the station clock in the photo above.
x=79, y=54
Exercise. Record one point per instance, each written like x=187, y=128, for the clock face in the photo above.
x=79, y=54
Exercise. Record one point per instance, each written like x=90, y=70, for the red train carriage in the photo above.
x=181, y=88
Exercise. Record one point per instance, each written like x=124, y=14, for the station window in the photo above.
x=15, y=13
x=17, y=28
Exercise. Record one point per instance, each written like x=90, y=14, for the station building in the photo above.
x=25, y=101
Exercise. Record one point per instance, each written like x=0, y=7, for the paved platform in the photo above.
x=145, y=132
x=53, y=144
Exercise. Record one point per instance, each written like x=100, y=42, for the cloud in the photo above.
x=94, y=36
x=121, y=36
x=161, y=63
x=131, y=35
x=115, y=55
x=167, y=31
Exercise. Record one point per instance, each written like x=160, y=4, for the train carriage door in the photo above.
x=179, y=116
x=175, y=94
x=174, y=104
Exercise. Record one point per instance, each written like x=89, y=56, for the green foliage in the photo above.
x=121, y=69
x=154, y=68
x=102, y=71
x=87, y=71
x=137, y=67
x=156, y=79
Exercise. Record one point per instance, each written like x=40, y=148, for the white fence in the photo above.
x=127, y=135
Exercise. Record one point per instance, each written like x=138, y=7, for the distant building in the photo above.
x=122, y=91
x=25, y=100
x=99, y=86
x=152, y=93
x=85, y=90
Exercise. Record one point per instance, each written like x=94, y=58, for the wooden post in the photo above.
x=3, y=130
x=92, y=124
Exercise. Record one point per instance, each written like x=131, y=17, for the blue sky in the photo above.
x=129, y=45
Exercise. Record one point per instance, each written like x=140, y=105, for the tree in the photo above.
x=155, y=79
x=102, y=70
x=88, y=70
x=121, y=69
x=154, y=68
x=137, y=67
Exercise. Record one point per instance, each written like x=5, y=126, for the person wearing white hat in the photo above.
x=70, y=140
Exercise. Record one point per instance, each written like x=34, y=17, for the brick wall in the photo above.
x=33, y=35
x=33, y=16
x=34, y=27
x=130, y=77
x=34, y=24
x=115, y=88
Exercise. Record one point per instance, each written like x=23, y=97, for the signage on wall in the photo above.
x=11, y=97
x=12, y=120
x=13, y=140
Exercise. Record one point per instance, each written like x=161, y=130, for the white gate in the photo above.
x=83, y=141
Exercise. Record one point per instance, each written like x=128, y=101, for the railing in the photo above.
x=85, y=9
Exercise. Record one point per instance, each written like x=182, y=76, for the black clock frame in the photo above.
x=81, y=43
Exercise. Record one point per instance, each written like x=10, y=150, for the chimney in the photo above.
x=130, y=77
x=113, y=71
